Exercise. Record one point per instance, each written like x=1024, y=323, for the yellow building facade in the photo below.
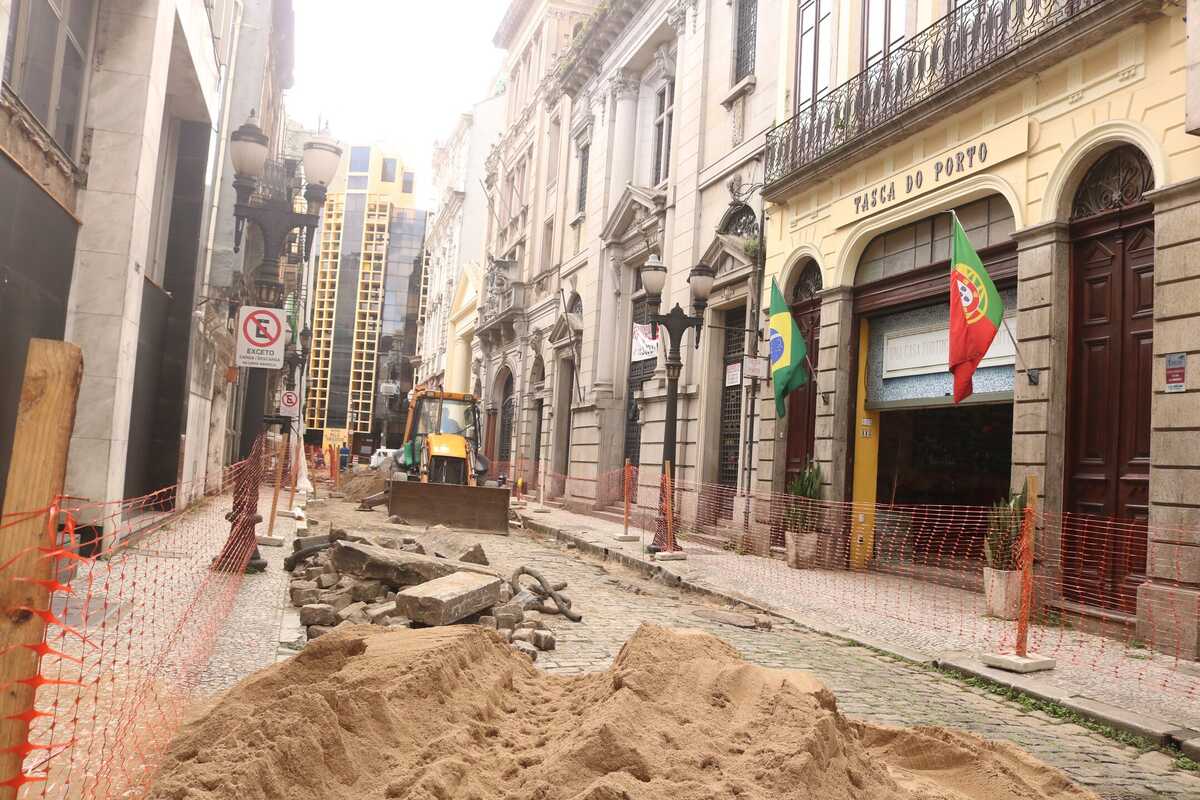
x=357, y=280
x=1057, y=132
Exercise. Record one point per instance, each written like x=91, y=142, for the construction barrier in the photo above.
x=136, y=591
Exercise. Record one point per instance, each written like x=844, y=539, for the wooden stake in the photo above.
x=279, y=453
x=296, y=462
x=41, y=442
x=1027, y=523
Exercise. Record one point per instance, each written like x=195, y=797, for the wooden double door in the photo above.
x=802, y=403
x=1108, y=412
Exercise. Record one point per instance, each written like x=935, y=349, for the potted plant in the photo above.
x=1002, y=575
x=801, y=515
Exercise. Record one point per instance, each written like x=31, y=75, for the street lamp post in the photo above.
x=676, y=323
x=265, y=197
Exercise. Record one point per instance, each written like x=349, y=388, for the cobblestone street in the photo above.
x=614, y=601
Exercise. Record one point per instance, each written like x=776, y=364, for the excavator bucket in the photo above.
x=482, y=508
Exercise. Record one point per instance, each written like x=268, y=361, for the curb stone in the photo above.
x=1161, y=732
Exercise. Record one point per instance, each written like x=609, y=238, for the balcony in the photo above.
x=975, y=50
x=500, y=310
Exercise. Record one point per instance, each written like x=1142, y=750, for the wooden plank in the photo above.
x=45, y=419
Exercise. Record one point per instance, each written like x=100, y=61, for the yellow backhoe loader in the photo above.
x=439, y=476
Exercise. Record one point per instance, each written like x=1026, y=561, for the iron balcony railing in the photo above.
x=966, y=41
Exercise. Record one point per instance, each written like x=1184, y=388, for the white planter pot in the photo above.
x=1002, y=591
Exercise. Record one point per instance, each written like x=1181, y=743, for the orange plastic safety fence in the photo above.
x=140, y=589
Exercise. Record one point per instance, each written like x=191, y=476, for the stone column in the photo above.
x=125, y=112
x=836, y=373
x=1169, y=602
x=1043, y=323
x=623, y=87
x=608, y=279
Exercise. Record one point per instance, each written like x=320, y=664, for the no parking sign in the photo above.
x=289, y=404
x=260, y=337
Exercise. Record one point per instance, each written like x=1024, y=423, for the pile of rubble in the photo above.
x=387, y=580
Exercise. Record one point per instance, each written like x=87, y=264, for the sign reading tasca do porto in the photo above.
x=260, y=339
x=974, y=155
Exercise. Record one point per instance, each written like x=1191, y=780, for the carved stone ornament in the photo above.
x=623, y=85
x=664, y=61
x=677, y=15
x=535, y=342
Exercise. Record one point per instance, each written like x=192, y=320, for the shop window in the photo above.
x=664, y=113
x=746, y=35
x=48, y=48
x=987, y=222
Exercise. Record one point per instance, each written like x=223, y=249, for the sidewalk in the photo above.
x=1150, y=694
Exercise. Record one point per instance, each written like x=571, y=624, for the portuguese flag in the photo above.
x=976, y=311
x=788, y=352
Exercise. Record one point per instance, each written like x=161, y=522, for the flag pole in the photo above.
x=1003, y=318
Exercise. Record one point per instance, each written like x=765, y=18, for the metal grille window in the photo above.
x=507, y=413
x=639, y=372
x=581, y=193
x=747, y=34
x=664, y=114
x=49, y=44
x=729, y=445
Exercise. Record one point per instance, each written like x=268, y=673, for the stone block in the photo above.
x=327, y=580
x=526, y=649
x=1168, y=619
x=304, y=592
x=396, y=622
x=1175, y=448
x=338, y=598
x=395, y=568
x=301, y=542
x=505, y=634
x=450, y=598
x=1174, y=486
x=525, y=600
x=313, y=573
x=1171, y=561
x=487, y=622
x=528, y=624
x=475, y=555
x=378, y=612
x=1014, y=663
x=269, y=541
x=315, y=631
x=543, y=640
x=318, y=614
x=1175, y=410
x=355, y=613
x=505, y=593
x=523, y=635
x=508, y=617
x=367, y=591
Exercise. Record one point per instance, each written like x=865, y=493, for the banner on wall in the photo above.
x=644, y=345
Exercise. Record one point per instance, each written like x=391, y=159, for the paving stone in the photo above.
x=448, y=599
x=315, y=631
x=304, y=592
x=318, y=614
x=487, y=622
x=367, y=591
x=526, y=649
x=523, y=635
x=543, y=640
x=338, y=598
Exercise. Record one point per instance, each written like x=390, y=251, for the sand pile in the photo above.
x=452, y=713
x=361, y=484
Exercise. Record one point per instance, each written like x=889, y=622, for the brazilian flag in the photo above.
x=788, y=352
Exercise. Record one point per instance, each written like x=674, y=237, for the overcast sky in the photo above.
x=393, y=72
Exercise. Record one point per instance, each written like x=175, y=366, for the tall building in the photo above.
x=370, y=245
x=456, y=230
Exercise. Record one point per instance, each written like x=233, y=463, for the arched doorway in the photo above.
x=504, y=449
x=1110, y=379
x=537, y=380
x=805, y=302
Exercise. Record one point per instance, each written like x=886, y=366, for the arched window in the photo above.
x=537, y=374
x=808, y=285
x=1120, y=179
x=507, y=415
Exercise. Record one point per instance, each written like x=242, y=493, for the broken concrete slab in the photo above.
x=543, y=640
x=474, y=555
x=338, y=598
x=269, y=541
x=526, y=600
x=318, y=614
x=326, y=580
x=378, y=612
x=1011, y=662
x=355, y=612
x=448, y=599
x=396, y=568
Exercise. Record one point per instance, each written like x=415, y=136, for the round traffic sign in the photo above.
x=289, y=399
x=262, y=328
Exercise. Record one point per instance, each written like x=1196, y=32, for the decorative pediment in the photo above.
x=637, y=209
x=728, y=253
x=567, y=329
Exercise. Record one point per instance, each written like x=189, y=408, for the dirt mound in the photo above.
x=361, y=484
x=453, y=713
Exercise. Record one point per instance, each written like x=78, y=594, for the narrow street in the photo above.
x=614, y=601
